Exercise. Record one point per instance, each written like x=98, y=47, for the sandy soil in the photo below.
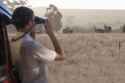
x=91, y=58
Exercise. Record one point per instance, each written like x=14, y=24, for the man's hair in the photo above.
x=21, y=17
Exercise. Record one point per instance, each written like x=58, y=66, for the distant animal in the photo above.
x=67, y=30
x=123, y=28
x=98, y=30
x=105, y=29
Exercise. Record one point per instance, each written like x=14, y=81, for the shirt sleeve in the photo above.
x=46, y=54
x=40, y=52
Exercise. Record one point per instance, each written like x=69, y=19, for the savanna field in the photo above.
x=90, y=58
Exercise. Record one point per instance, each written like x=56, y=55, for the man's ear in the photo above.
x=30, y=23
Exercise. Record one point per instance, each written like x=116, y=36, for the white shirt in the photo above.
x=32, y=60
x=41, y=52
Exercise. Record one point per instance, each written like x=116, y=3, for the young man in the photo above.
x=31, y=56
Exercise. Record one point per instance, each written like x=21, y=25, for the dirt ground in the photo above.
x=90, y=58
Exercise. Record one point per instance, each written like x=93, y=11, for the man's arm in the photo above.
x=54, y=41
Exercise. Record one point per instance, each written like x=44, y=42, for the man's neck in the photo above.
x=21, y=30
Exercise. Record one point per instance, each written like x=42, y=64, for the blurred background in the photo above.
x=78, y=16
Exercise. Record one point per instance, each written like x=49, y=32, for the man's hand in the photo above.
x=60, y=57
x=33, y=32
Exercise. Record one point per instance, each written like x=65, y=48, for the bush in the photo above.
x=67, y=30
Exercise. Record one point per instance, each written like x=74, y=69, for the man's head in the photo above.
x=23, y=18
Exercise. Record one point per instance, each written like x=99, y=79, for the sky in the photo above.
x=80, y=4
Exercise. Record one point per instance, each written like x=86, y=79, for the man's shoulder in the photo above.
x=27, y=40
x=30, y=44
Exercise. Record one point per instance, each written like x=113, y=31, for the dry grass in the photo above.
x=91, y=58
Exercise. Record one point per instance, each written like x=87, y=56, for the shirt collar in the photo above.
x=26, y=37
